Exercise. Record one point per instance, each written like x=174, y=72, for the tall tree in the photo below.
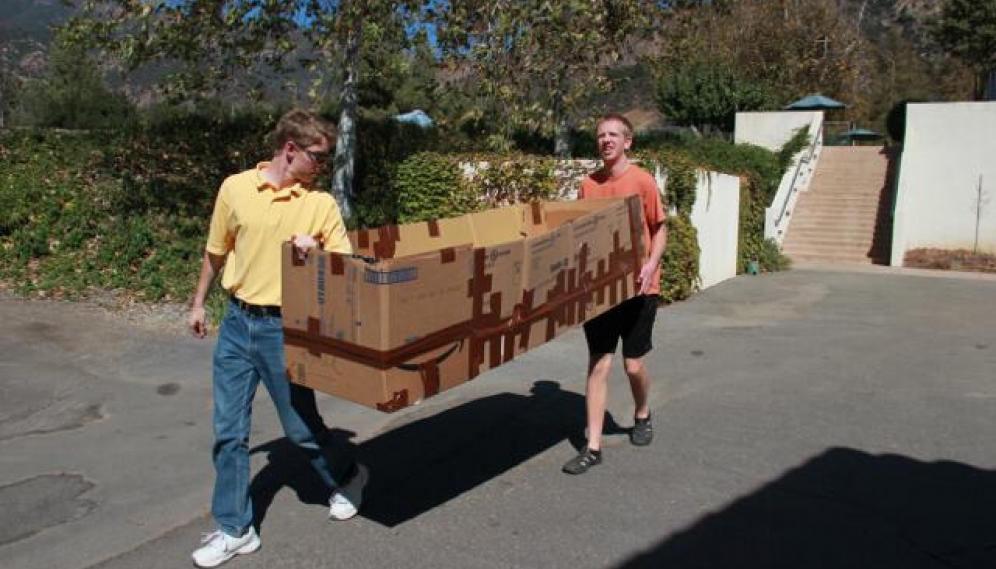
x=708, y=94
x=966, y=29
x=535, y=63
x=790, y=48
x=235, y=48
x=72, y=93
x=10, y=84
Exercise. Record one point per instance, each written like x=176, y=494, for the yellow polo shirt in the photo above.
x=251, y=222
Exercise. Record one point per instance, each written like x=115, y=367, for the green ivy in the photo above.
x=680, y=273
x=431, y=186
x=128, y=211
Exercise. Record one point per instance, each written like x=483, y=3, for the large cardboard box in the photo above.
x=423, y=307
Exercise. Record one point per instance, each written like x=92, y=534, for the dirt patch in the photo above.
x=947, y=260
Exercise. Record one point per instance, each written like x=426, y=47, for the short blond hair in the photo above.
x=627, y=126
x=303, y=128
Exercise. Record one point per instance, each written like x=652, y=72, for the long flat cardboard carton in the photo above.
x=424, y=307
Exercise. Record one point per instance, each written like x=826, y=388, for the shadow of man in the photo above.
x=429, y=461
x=846, y=508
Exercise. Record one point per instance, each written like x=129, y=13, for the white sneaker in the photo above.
x=345, y=502
x=219, y=547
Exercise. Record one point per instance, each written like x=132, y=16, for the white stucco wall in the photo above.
x=716, y=217
x=948, y=150
x=772, y=130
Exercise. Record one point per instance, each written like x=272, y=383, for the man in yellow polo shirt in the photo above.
x=256, y=212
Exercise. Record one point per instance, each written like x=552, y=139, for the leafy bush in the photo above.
x=431, y=186
x=506, y=180
x=128, y=211
x=708, y=93
x=383, y=144
x=125, y=212
x=760, y=172
x=680, y=275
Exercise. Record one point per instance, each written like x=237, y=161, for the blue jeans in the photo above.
x=250, y=349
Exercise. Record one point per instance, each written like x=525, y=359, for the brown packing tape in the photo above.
x=386, y=244
x=433, y=227
x=537, y=211
x=296, y=260
x=337, y=266
x=521, y=313
x=317, y=344
x=447, y=255
x=478, y=285
x=399, y=401
x=363, y=239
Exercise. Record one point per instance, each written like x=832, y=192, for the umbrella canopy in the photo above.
x=861, y=134
x=815, y=103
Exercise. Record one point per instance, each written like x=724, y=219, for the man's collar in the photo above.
x=263, y=184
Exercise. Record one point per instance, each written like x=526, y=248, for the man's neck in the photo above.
x=615, y=168
x=275, y=172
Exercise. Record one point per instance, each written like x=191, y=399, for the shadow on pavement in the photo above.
x=430, y=461
x=847, y=509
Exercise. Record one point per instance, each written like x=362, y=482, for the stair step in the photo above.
x=809, y=211
x=825, y=221
x=835, y=236
x=838, y=218
x=832, y=260
x=823, y=194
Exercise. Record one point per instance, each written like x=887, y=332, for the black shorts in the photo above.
x=633, y=321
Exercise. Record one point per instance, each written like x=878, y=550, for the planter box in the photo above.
x=424, y=307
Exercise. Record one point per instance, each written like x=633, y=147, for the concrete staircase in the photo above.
x=846, y=216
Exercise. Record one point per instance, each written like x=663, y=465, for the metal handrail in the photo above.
x=804, y=159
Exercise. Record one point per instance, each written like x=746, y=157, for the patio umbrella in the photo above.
x=858, y=135
x=815, y=103
x=861, y=134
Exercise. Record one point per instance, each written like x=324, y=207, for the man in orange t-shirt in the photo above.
x=633, y=320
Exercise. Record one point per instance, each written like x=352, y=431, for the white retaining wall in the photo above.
x=948, y=153
x=772, y=130
x=716, y=217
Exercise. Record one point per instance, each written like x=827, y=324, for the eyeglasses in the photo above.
x=317, y=157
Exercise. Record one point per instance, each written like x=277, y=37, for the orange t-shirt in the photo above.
x=633, y=180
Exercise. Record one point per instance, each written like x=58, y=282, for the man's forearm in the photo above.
x=210, y=266
x=658, y=244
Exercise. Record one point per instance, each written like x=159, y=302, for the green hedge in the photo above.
x=127, y=212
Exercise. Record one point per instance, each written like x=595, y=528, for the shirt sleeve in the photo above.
x=333, y=232
x=221, y=239
x=653, y=207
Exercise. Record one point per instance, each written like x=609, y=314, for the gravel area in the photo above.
x=168, y=317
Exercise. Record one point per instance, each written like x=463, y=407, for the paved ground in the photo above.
x=821, y=417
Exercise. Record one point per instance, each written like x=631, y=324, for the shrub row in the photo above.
x=127, y=212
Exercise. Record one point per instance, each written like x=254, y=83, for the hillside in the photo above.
x=25, y=32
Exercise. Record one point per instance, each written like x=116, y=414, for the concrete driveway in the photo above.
x=820, y=417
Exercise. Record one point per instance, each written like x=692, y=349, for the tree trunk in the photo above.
x=561, y=131
x=562, y=139
x=345, y=147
